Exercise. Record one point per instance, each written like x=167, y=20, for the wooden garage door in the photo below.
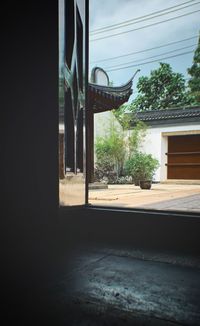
x=183, y=157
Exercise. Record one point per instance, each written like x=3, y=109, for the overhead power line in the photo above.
x=154, y=56
x=145, y=50
x=133, y=19
x=142, y=18
x=146, y=26
x=148, y=62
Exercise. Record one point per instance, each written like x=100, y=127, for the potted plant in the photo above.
x=142, y=167
x=131, y=169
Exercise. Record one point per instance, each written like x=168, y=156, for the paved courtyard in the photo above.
x=181, y=197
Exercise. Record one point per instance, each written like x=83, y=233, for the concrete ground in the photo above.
x=162, y=196
x=114, y=287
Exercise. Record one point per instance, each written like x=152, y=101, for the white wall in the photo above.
x=156, y=143
x=102, y=123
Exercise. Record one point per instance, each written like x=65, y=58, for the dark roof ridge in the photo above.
x=168, y=109
x=173, y=115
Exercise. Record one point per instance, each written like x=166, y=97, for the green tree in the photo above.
x=110, y=150
x=116, y=145
x=136, y=137
x=161, y=90
x=137, y=134
x=194, y=72
x=121, y=116
x=141, y=166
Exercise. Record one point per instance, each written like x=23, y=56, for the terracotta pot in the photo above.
x=145, y=184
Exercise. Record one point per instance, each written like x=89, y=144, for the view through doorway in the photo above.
x=161, y=117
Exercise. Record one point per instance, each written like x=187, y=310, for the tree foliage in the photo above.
x=136, y=137
x=161, y=90
x=194, y=72
x=141, y=166
x=110, y=150
x=121, y=116
x=116, y=146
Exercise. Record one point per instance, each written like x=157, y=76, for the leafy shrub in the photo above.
x=110, y=152
x=141, y=166
x=136, y=137
x=113, y=149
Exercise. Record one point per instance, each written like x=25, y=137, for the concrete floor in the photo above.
x=180, y=197
x=115, y=287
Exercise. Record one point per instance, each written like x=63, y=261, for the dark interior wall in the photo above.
x=28, y=143
x=29, y=112
x=175, y=233
x=29, y=116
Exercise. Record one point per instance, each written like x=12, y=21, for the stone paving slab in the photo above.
x=160, y=196
x=189, y=203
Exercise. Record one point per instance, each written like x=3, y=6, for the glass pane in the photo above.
x=71, y=104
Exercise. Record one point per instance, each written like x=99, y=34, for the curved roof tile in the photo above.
x=104, y=98
x=171, y=115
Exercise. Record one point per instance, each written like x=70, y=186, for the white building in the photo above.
x=173, y=137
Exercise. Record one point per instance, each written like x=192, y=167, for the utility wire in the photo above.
x=141, y=19
x=145, y=63
x=130, y=20
x=146, y=26
x=145, y=50
x=154, y=56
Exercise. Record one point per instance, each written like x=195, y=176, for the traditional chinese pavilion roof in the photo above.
x=105, y=98
x=169, y=116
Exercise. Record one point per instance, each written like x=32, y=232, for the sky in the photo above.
x=105, y=13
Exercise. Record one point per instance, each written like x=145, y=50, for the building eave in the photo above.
x=105, y=98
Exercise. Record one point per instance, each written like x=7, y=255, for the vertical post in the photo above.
x=75, y=146
x=61, y=156
x=90, y=145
